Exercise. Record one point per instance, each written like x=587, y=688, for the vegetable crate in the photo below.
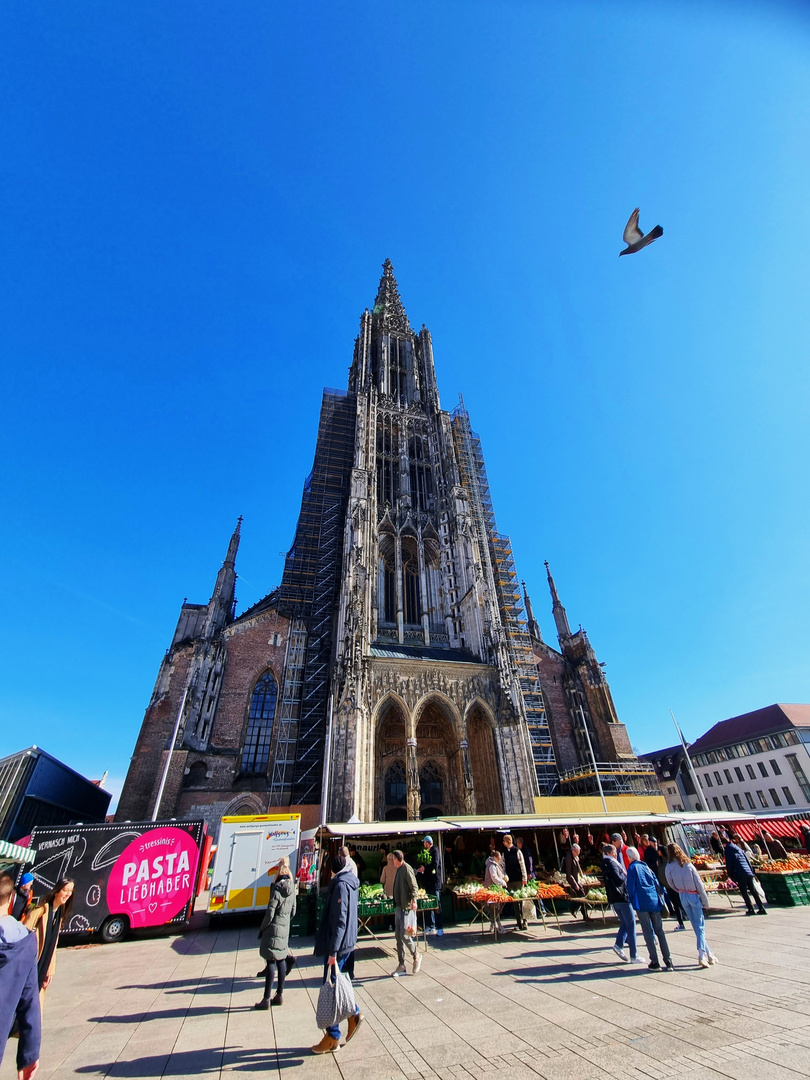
x=303, y=922
x=786, y=890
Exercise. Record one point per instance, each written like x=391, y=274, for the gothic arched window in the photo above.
x=396, y=787
x=430, y=786
x=256, y=751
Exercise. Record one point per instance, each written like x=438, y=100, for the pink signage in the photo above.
x=153, y=877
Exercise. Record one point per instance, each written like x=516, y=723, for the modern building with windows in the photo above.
x=757, y=762
x=394, y=673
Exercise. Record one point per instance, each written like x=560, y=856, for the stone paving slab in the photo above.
x=536, y=1006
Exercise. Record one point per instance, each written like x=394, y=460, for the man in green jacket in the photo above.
x=405, y=893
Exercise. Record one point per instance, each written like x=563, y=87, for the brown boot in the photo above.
x=327, y=1045
x=277, y=1000
x=263, y=1004
x=354, y=1023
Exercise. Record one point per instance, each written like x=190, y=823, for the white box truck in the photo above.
x=247, y=860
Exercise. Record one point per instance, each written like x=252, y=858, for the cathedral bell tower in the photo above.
x=427, y=711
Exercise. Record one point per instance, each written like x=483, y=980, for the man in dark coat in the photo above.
x=573, y=872
x=19, y=990
x=739, y=871
x=430, y=879
x=336, y=939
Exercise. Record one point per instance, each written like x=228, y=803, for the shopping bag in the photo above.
x=528, y=910
x=410, y=924
x=345, y=1004
x=336, y=999
x=758, y=889
x=325, y=1012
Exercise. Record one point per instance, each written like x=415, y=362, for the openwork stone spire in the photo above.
x=388, y=310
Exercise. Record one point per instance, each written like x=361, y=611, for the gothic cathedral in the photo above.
x=392, y=674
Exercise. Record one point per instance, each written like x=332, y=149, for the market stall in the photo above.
x=785, y=882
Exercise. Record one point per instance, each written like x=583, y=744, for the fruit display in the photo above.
x=707, y=862
x=725, y=886
x=796, y=864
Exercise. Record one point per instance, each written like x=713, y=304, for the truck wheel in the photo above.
x=114, y=928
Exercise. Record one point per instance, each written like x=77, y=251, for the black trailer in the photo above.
x=130, y=875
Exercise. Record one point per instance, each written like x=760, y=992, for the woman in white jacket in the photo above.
x=685, y=880
x=494, y=875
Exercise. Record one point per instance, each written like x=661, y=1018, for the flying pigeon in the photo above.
x=635, y=238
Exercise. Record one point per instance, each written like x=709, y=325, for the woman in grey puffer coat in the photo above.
x=274, y=935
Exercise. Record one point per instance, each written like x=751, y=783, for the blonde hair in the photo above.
x=284, y=867
x=678, y=854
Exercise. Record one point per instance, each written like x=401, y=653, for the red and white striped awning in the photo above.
x=747, y=830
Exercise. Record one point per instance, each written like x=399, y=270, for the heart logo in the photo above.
x=152, y=909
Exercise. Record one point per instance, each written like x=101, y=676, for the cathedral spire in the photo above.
x=533, y=628
x=388, y=310
x=221, y=604
x=557, y=610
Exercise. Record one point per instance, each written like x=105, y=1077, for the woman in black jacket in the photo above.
x=336, y=939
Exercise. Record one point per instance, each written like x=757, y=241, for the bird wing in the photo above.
x=632, y=233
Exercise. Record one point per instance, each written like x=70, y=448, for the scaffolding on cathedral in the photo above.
x=308, y=591
x=496, y=550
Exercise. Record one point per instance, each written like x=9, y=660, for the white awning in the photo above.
x=493, y=823
x=386, y=828
x=16, y=853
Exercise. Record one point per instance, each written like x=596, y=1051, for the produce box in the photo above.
x=786, y=890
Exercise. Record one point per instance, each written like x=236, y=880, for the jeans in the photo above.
x=434, y=918
x=694, y=912
x=333, y=1031
x=627, y=927
x=652, y=927
x=402, y=938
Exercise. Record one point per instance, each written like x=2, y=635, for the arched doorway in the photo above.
x=392, y=786
x=438, y=757
x=483, y=763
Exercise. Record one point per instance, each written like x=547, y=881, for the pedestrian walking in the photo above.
x=46, y=920
x=19, y=1000
x=24, y=897
x=494, y=875
x=618, y=841
x=432, y=878
x=335, y=941
x=573, y=872
x=514, y=866
x=685, y=880
x=647, y=897
x=405, y=893
x=740, y=872
x=274, y=935
x=614, y=877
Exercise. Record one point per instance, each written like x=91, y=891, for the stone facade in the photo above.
x=390, y=674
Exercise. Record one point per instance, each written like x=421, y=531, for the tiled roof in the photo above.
x=752, y=725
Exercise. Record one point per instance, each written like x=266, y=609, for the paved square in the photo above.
x=534, y=1005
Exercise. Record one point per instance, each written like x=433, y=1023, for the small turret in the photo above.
x=558, y=611
x=532, y=625
x=221, y=604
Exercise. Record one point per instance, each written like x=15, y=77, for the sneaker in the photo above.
x=417, y=963
x=763, y=912
x=680, y=926
x=622, y=955
x=501, y=928
x=668, y=965
x=703, y=960
x=401, y=970
x=654, y=965
x=440, y=933
x=751, y=912
x=712, y=958
x=431, y=930
x=636, y=960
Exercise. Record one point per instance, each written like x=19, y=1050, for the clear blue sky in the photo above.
x=196, y=202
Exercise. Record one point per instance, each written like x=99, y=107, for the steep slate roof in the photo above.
x=752, y=725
